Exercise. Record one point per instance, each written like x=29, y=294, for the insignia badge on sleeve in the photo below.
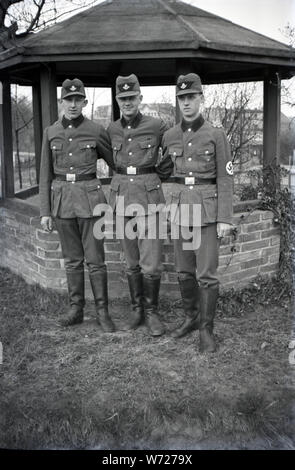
x=229, y=168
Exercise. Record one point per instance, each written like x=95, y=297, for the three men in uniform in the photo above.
x=197, y=153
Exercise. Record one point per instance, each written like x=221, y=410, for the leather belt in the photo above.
x=190, y=180
x=132, y=170
x=74, y=177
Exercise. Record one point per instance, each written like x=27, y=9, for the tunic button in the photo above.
x=70, y=139
x=130, y=153
x=88, y=146
x=158, y=185
x=131, y=179
x=54, y=147
x=73, y=182
x=189, y=130
x=71, y=168
x=174, y=153
x=190, y=173
x=191, y=187
x=128, y=127
x=189, y=144
x=70, y=154
x=207, y=151
x=149, y=146
x=70, y=126
x=98, y=186
x=190, y=159
x=129, y=140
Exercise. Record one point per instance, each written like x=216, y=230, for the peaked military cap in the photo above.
x=190, y=83
x=72, y=87
x=127, y=86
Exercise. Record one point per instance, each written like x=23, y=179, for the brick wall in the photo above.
x=36, y=255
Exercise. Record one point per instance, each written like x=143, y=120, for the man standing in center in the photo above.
x=136, y=140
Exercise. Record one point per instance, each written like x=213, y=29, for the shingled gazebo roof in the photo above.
x=151, y=29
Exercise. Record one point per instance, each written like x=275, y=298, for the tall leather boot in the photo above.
x=208, y=299
x=99, y=285
x=136, y=293
x=189, y=290
x=76, y=297
x=151, y=288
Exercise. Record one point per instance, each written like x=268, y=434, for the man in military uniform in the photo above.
x=69, y=192
x=203, y=176
x=136, y=140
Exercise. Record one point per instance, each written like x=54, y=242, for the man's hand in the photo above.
x=223, y=229
x=46, y=223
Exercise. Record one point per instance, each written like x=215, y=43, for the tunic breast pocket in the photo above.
x=176, y=154
x=59, y=157
x=148, y=148
x=88, y=151
x=205, y=160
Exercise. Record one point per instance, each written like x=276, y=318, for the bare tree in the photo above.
x=288, y=86
x=18, y=18
x=233, y=106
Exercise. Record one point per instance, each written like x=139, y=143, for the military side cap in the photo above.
x=190, y=83
x=72, y=87
x=127, y=86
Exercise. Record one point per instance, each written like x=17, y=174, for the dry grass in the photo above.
x=78, y=388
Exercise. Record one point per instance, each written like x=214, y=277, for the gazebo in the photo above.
x=155, y=39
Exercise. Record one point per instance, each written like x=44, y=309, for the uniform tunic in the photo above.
x=73, y=147
x=136, y=144
x=202, y=151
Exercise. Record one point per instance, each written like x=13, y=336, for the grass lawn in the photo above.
x=79, y=388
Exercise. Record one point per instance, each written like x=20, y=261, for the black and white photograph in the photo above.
x=147, y=228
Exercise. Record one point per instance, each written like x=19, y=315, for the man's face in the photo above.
x=73, y=106
x=129, y=105
x=189, y=105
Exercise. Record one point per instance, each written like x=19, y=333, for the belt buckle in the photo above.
x=189, y=180
x=70, y=177
x=131, y=170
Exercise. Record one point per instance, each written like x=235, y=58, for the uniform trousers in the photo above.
x=201, y=262
x=143, y=253
x=78, y=243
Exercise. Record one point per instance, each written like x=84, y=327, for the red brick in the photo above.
x=47, y=263
x=249, y=228
x=168, y=267
x=51, y=273
x=228, y=269
x=49, y=246
x=22, y=218
x=269, y=268
x=275, y=240
x=117, y=267
x=255, y=245
x=249, y=237
x=269, y=233
x=112, y=246
x=252, y=263
x=45, y=236
x=267, y=215
x=113, y=256
x=172, y=277
x=56, y=254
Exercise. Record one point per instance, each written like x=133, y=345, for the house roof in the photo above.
x=124, y=28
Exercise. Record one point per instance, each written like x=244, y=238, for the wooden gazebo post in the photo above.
x=6, y=142
x=271, y=123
